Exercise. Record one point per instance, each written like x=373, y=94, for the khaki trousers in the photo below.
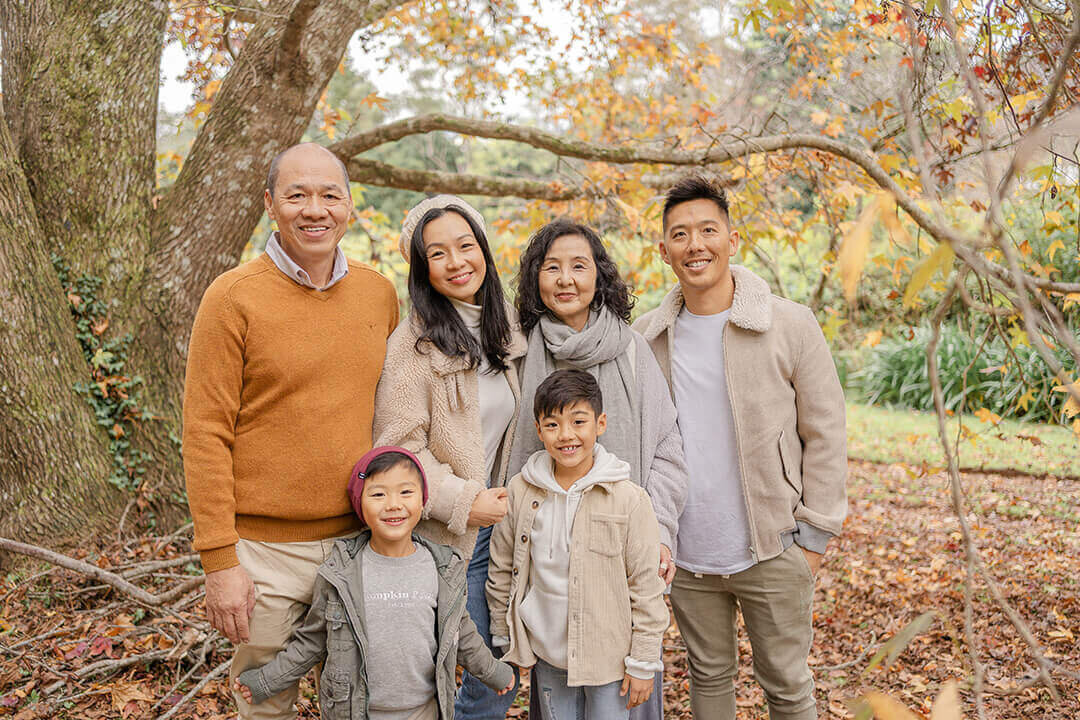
x=775, y=597
x=284, y=575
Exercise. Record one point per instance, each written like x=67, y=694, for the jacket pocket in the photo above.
x=789, y=465
x=336, y=691
x=338, y=634
x=607, y=533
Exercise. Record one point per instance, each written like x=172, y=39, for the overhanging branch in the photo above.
x=373, y=172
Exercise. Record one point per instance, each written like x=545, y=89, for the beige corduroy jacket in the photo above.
x=615, y=599
x=429, y=404
x=788, y=408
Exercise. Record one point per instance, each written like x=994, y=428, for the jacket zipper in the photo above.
x=738, y=447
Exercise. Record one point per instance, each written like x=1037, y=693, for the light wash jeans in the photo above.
x=589, y=702
x=475, y=700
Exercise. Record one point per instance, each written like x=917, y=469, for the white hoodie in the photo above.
x=543, y=610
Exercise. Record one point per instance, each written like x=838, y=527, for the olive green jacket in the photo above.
x=333, y=632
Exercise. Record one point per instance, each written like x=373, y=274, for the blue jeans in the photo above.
x=475, y=700
x=589, y=702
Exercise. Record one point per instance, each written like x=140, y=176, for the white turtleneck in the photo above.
x=497, y=405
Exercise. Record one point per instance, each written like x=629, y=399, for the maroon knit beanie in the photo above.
x=359, y=474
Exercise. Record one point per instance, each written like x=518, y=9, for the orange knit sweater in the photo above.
x=278, y=404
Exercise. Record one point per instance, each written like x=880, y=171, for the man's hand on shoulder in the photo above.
x=230, y=598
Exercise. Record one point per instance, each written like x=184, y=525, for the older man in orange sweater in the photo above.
x=284, y=358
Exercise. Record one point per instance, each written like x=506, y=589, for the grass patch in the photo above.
x=909, y=436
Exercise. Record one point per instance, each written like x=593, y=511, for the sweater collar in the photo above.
x=750, y=308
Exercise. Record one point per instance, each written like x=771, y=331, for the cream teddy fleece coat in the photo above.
x=429, y=404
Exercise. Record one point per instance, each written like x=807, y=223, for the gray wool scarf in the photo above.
x=600, y=349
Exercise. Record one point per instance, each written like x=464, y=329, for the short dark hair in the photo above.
x=696, y=186
x=563, y=388
x=388, y=460
x=275, y=165
x=611, y=291
x=441, y=323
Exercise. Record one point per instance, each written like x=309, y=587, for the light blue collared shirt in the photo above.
x=298, y=274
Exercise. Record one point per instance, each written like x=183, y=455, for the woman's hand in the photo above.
x=488, y=508
x=667, y=566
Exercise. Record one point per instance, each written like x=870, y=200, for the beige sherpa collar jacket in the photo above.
x=429, y=404
x=788, y=409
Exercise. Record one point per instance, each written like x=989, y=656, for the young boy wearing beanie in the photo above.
x=388, y=611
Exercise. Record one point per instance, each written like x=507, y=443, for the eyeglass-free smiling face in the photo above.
x=569, y=436
x=567, y=280
x=391, y=504
x=310, y=203
x=456, y=267
x=698, y=244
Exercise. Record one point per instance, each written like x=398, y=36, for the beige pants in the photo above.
x=775, y=597
x=284, y=575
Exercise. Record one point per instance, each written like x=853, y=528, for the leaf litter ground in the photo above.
x=901, y=555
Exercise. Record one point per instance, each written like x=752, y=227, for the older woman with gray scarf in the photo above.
x=575, y=310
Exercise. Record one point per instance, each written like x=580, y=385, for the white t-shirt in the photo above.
x=714, y=529
x=496, y=398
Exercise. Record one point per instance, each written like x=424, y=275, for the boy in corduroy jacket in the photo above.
x=572, y=586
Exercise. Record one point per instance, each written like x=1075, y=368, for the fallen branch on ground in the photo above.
x=103, y=576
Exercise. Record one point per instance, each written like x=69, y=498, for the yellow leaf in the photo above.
x=1072, y=407
x=834, y=128
x=1020, y=102
x=856, y=244
x=896, y=229
x=987, y=416
x=1025, y=399
x=831, y=326
x=885, y=708
x=947, y=705
x=1054, y=247
x=891, y=163
x=819, y=117
x=1053, y=216
x=941, y=258
x=872, y=338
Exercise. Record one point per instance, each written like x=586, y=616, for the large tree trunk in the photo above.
x=47, y=432
x=80, y=83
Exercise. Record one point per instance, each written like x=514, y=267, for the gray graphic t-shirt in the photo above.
x=400, y=600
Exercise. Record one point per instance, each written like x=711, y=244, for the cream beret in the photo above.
x=439, y=201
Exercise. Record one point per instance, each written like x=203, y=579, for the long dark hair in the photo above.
x=611, y=291
x=442, y=325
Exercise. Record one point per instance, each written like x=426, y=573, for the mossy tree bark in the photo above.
x=53, y=460
x=80, y=95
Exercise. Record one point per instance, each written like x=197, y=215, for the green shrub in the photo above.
x=974, y=375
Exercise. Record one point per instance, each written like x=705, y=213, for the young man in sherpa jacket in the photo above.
x=762, y=417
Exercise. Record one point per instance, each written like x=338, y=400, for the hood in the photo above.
x=539, y=472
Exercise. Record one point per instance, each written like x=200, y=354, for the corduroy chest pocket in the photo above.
x=607, y=533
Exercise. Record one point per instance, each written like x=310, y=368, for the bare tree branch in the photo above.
x=103, y=576
x=289, y=51
x=373, y=172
